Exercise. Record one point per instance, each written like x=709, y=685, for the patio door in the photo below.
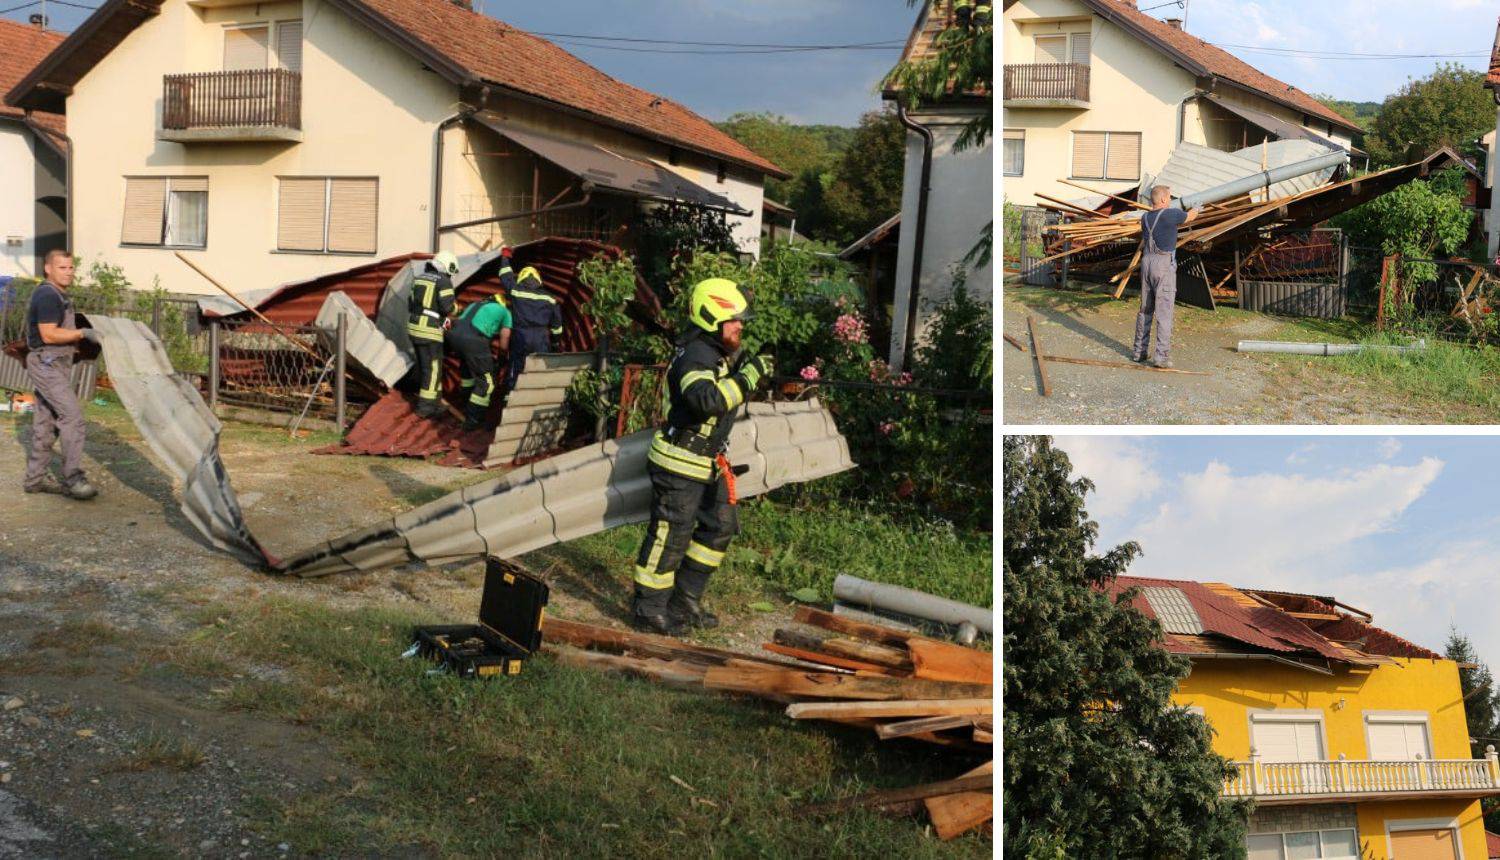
x=1283, y=739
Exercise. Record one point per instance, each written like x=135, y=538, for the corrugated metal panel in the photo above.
x=374, y=351
x=1173, y=610
x=298, y=303
x=392, y=428
x=534, y=419
x=579, y=493
x=1324, y=299
x=179, y=427
x=1192, y=168
x=13, y=377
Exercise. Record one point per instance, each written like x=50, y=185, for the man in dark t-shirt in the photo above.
x=51, y=338
x=1158, y=275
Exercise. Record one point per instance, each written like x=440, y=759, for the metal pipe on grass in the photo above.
x=1296, y=348
x=908, y=601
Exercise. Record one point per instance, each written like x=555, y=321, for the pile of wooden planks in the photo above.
x=849, y=672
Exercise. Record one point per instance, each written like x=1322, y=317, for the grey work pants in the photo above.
x=58, y=416
x=1158, y=293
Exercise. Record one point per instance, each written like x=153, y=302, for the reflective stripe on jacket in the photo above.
x=430, y=303
x=700, y=397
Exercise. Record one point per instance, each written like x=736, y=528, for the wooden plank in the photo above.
x=955, y=814
x=825, y=659
x=757, y=678
x=1014, y=342
x=888, y=636
x=979, y=782
x=939, y=661
x=1137, y=204
x=920, y=708
x=1123, y=365
x=1036, y=355
x=880, y=655
x=983, y=736
x=613, y=641
x=886, y=731
x=674, y=673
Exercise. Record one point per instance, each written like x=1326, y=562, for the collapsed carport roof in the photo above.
x=606, y=168
x=1279, y=128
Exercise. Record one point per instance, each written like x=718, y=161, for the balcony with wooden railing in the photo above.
x=1060, y=85
x=1271, y=783
x=238, y=106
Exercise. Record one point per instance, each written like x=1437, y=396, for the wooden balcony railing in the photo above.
x=1047, y=82
x=253, y=98
x=1344, y=777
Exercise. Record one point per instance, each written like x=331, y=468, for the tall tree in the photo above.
x=1449, y=107
x=1099, y=762
x=1481, y=708
x=800, y=150
x=866, y=186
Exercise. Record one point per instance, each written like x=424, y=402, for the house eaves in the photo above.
x=48, y=85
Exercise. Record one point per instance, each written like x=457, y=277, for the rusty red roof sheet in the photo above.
x=1492, y=79
x=391, y=428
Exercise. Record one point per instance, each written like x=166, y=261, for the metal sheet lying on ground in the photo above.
x=179, y=427
x=533, y=420
x=579, y=493
x=392, y=428
x=372, y=350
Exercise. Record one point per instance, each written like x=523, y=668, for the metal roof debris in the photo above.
x=534, y=419
x=366, y=345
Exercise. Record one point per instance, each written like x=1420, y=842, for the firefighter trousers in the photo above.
x=429, y=369
x=691, y=526
x=478, y=374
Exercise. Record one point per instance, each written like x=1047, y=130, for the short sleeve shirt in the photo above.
x=490, y=318
x=48, y=304
x=1163, y=224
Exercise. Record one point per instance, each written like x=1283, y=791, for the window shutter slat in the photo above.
x=289, y=45
x=352, y=214
x=299, y=215
x=1088, y=154
x=190, y=183
x=1051, y=49
x=145, y=209
x=1124, y=155
x=245, y=48
x=1080, y=49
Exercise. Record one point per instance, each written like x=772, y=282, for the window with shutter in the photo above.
x=289, y=45
x=1088, y=154
x=187, y=211
x=1396, y=738
x=352, y=208
x=1080, y=49
x=145, y=210
x=1015, y=152
x=1124, y=155
x=1280, y=739
x=1051, y=49
x=300, y=208
x=246, y=48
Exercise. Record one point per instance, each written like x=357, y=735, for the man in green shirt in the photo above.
x=469, y=336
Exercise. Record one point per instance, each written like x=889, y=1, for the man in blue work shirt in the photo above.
x=1158, y=275
x=469, y=336
x=538, y=317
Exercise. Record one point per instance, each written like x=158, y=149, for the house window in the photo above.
x=1284, y=737
x=1397, y=736
x=252, y=46
x=1015, y=152
x=1107, y=155
x=322, y=214
x=166, y=211
x=1339, y=844
x=1062, y=48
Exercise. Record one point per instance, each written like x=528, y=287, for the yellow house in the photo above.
x=275, y=141
x=1350, y=741
x=1098, y=92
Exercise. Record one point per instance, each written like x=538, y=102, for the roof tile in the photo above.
x=22, y=46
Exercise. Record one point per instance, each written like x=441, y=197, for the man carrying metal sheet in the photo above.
x=1158, y=275
x=429, y=308
x=694, y=512
x=51, y=337
x=538, y=317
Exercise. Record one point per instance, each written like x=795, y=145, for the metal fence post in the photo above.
x=156, y=316
x=340, y=353
x=213, y=365
x=601, y=364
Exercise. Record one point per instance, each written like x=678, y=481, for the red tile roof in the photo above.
x=1493, y=77
x=1260, y=626
x=22, y=46
x=1201, y=57
x=1492, y=842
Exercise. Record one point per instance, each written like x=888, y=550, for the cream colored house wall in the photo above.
x=18, y=203
x=1492, y=218
x=1132, y=87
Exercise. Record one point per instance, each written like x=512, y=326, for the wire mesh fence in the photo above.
x=287, y=369
x=1296, y=274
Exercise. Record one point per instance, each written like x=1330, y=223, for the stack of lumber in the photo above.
x=893, y=683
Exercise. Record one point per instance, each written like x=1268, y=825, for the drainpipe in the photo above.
x=67, y=178
x=437, y=168
x=921, y=231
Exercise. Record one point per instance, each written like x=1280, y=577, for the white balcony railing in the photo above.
x=1258, y=779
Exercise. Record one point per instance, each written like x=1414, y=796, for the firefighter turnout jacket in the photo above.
x=700, y=397
x=429, y=305
x=531, y=306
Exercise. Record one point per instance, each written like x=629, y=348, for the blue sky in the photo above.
x=832, y=87
x=1345, y=26
x=1407, y=528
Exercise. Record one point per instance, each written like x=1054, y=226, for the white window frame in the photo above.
x=1003, y=171
x=1285, y=833
x=1072, y=148
x=1449, y=824
x=327, y=216
x=1372, y=717
x=273, y=49
x=1289, y=715
x=166, y=214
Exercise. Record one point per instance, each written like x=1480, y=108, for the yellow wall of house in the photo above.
x=1229, y=691
x=1132, y=87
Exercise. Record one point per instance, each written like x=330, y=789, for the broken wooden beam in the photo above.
x=1036, y=355
x=1124, y=365
x=978, y=782
x=886, y=731
x=956, y=814
x=747, y=677
x=939, y=661
x=869, y=709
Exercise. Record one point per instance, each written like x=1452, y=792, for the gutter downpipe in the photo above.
x=921, y=231
x=464, y=111
x=67, y=179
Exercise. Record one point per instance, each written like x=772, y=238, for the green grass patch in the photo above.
x=160, y=751
x=1445, y=371
x=558, y=761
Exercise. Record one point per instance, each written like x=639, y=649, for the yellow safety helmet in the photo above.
x=529, y=272
x=716, y=301
x=445, y=262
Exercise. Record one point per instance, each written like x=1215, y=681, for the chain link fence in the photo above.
x=1296, y=274
x=283, y=369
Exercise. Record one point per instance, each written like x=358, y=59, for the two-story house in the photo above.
x=1351, y=741
x=273, y=141
x=1098, y=92
x=33, y=159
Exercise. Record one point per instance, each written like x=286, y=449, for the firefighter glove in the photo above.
x=755, y=371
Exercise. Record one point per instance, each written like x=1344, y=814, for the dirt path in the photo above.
x=112, y=741
x=1240, y=388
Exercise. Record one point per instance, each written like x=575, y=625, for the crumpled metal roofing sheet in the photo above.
x=179, y=427
x=366, y=345
x=580, y=493
x=392, y=428
x=1192, y=168
x=534, y=420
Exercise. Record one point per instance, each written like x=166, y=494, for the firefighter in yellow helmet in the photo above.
x=429, y=308
x=538, y=317
x=693, y=510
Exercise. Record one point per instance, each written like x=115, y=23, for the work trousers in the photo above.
x=478, y=374
x=58, y=416
x=524, y=342
x=429, y=369
x=691, y=526
x=1158, y=293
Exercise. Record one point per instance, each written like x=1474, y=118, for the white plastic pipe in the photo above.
x=1262, y=179
x=1295, y=348
x=910, y=602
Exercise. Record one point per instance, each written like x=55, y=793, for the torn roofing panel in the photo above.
x=1192, y=168
x=1254, y=624
x=298, y=303
x=392, y=428
x=366, y=345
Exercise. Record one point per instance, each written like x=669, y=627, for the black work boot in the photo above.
x=428, y=409
x=688, y=611
x=661, y=625
x=473, y=418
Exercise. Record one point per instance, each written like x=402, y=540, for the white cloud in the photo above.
x=1121, y=468
x=1279, y=531
x=1389, y=448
